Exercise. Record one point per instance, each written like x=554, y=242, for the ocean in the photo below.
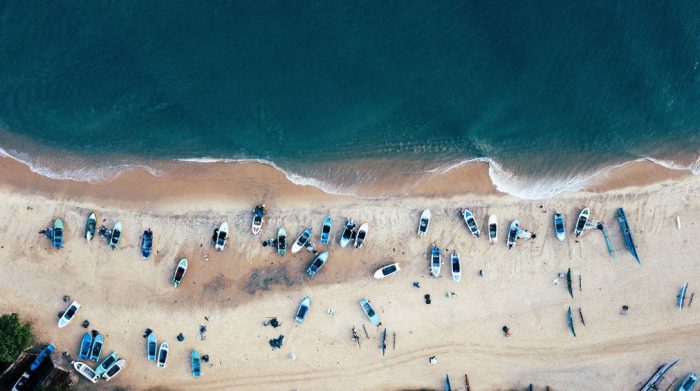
x=547, y=93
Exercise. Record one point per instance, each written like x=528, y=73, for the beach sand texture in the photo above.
x=237, y=289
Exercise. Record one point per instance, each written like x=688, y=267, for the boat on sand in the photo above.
x=456, y=267
x=370, y=312
x=163, y=354
x=68, y=314
x=220, y=237
x=114, y=370
x=85, y=370
x=317, y=264
x=106, y=364
x=96, y=349
x=179, y=272
x=90, y=226
x=513, y=233
x=152, y=346
x=326, y=230
x=348, y=233
x=85, y=344
x=116, y=235
x=435, y=263
x=581, y=222
x=301, y=241
x=559, y=228
x=361, y=235
x=386, y=271
x=470, y=220
x=493, y=229
x=281, y=241
x=424, y=223
x=258, y=219
x=58, y=233
x=196, y=364
x=302, y=310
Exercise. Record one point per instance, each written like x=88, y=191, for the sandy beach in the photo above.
x=237, y=289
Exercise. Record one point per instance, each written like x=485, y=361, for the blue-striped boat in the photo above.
x=624, y=226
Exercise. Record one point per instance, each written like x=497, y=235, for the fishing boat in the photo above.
x=106, y=364
x=179, y=272
x=114, y=370
x=471, y=222
x=559, y=228
x=147, y=243
x=90, y=226
x=513, y=233
x=22, y=383
x=581, y=221
x=681, y=296
x=58, y=233
x=85, y=345
x=302, y=310
x=571, y=321
x=258, y=219
x=435, y=263
x=43, y=355
x=96, y=349
x=370, y=312
x=361, y=235
x=317, y=264
x=152, y=346
x=163, y=355
x=386, y=271
x=653, y=382
x=281, y=241
x=456, y=267
x=448, y=386
x=116, y=235
x=326, y=230
x=568, y=283
x=624, y=226
x=424, y=222
x=220, y=237
x=493, y=229
x=689, y=382
x=68, y=314
x=347, y=235
x=301, y=241
x=85, y=370
x=196, y=364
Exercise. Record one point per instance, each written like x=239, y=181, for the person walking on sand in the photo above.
x=506, y=331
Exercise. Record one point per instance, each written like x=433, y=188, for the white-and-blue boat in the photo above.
x=96, y=349
x=435, y=262
x=302, y=310
x=370, y=312
x=317, y=264
x=326, y=230
x=559, y=228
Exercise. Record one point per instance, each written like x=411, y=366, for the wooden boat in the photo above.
x=655, y=379
x=570, y=319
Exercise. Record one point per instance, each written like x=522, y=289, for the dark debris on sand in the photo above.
x=265, y=279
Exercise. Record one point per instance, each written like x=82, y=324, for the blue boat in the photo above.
x=559, y=228
x=196, y=364
x=85, y=346
x=152, y=346
x=448, y=386
x=58, y=233
x=689, y=382
x=624, y=226
x=326, y=230
x=147, y=243
x=370, y=312
x=42, y=356
x=570, y=319
x=317, y=264
x=96, y=350
x=106, y=364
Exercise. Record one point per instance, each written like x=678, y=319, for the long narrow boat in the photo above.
x=470, y=220
x=568, y=283
x=624, y=226
x=681, y=296
x=581, y=221
x=658, y=375
x=448, y=386
x=424, y=223
x=435, y=263
x=571, y=321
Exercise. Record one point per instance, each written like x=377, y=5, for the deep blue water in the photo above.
x=543, y=88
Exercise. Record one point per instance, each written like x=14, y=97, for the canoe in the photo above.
x=435, y=263
x=147, y=243
x=581, y=222
x=470, y=220
x=370, y=312
x=568, y=283
x=196, y=364
x=424, y=223
x=85, y=370
x=301, y=241
x=347, y=234
x=657, y=376
x=317, y=264
x=180, y=272
x=559, y=228
x=570, y=319
x=681, y=296
x=303, y=310
x=96, y=349
x=448, y=386
x=326, y=230
x=58, y=233
x=258, y=219
x=116, y=235
x=85, y=345
x=624, y=226
x=493, y=229
x=220, y=237
x=114, y=370
x=106, y=364
x=69, y=314
x=361, y=235
x=513, y=233
x=151, y=346
x=281, y=241
x=163, y=355
x=43, y=355
x=689, y=382
x=456, y=267
x=386, y=271
x=90, y=226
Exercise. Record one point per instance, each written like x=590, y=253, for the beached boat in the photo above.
x=653, y=382
x=90, y=226
x=281, y=241
x=180, y=272
x=152, y=346
x=386, y=271
x=681, y=296
x=689, y=382
x=493, y=229
x=370, y=312
x=302, y=310
x=220, y=237
x=559, y=228
x=424, y=222
x=435, y=263
x=361, y=235
x=96, y=348
x=58, y=233
x=448, y=386
x=302, y=240
x=68, y=314
x=470, y=220
x=114, y=370
x=116, y=235
x=624, y=226
x=347, y=235
x=106, y=364
x=570, y=319
x=568, y=283
x=22, y=383
x=456, y=267
x=163, y=355
x=43, y=355
x=147, y=243
x=196, y=363
x=85, y=370
x=326, y=230
x=581, y=221
x=85, y=345
x=317, y=264
x=513, y=233
x=258, y=219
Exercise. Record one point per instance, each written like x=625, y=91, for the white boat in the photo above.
x=221, y=236
x=386, y=271
x=361, y=235
x=258, y=219
x=370, y=312
x=581, y=222
x=85, y=370
x=435, y=262
x=116, y=234
x=68, y=314
x=301, y=241
x=106, y=364
x=114, y=370
x=559, y=228
x=303, y=310
x=163, y=355
x=513, y=233
x=281, y=241
x=179, y=272
x=21, y=383
x=456, y=267
x=471, y=222
x=424, y=223
x=348, y=231
x=493, y=229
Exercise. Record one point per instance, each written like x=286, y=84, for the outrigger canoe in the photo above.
x=386, y=271
x=681, y=296
x=424, y=223
x=180, y=272
x=581, y=222
x=370, y=312
x=361, y=235
x=493, y=229
x=470, y=220
x=302, y=310
x=326, y=230
x=456, y=267
x=317, y=264
x=90, y=226
x=68, y=314
x=281, y=241
x=570, y=319
x=435, y=263
x=58, y=233
x=301, y=241
x=624, y=226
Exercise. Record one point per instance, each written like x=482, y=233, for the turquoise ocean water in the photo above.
x=549, y=92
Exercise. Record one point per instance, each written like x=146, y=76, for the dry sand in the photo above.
x=238, y=288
